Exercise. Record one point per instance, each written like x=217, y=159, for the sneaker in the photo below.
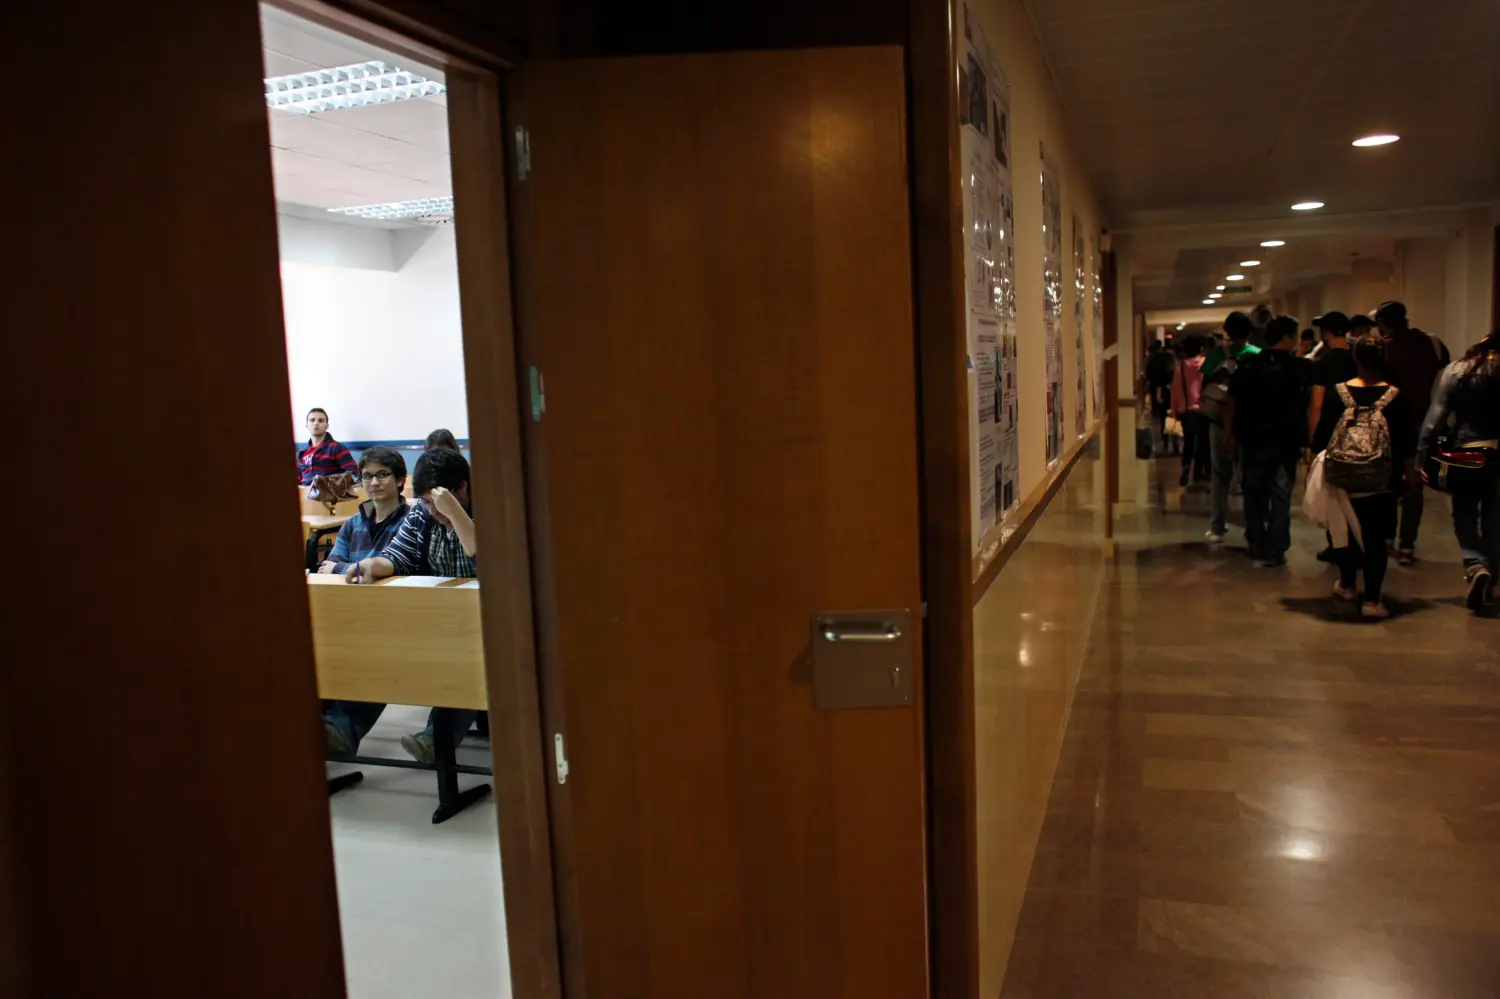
x=338, y=742
x=1481, y=588
x=1216, y=537
x=1328, y=555
x=419, y=746
x=1406, y=557
x=1340, y=592
x=1375, y=611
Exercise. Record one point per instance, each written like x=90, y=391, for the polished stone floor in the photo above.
x=1261, y=798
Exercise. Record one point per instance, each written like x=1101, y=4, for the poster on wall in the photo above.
x=1080, y=363
x=989, y=269
x=1052, y=304
x=1096, y=282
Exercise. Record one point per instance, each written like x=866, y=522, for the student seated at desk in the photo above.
x=382, y=471
x=323, y=455
x=436, y=539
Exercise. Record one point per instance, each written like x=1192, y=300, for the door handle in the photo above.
x=838, y=632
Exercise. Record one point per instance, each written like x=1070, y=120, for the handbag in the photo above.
x=331, y=490
x=1451, y=467
x=1173, y=427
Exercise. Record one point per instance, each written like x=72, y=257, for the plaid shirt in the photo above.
x=362, y=536
x=327, y=458
x=423, y=547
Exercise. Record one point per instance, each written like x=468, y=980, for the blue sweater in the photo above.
x=361, y=537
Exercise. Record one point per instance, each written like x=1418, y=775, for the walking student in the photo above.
x=1219, y=367
x=1469, y=394
x=1333, y=365
x=1269, y=429
x=1374, y=470
x=1415, y=359
x=1186, y=386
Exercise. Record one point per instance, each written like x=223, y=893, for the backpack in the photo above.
x=1213, y=399
x=1360, y=458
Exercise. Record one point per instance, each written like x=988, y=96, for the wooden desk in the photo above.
x=318, y=523
x=398, y=644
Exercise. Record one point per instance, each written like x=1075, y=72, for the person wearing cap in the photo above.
x=1415, y=360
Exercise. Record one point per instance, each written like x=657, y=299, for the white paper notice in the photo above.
x=989, y=274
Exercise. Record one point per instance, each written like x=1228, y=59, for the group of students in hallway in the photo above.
x=1263, y=400
x=388, y=536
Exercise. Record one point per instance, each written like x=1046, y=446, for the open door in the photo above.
x=713, y=262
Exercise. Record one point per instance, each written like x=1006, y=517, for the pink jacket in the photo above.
x=1187, y=385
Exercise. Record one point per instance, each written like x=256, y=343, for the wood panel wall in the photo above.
x=165, y=808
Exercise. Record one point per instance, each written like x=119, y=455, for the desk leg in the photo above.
x=337, y=784
x=451, y=800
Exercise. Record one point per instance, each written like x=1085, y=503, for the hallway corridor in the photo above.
x=1260, y=800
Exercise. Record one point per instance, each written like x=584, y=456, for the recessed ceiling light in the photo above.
x=1273, y=242
x=1377, y=140
x=1208, y=301
x=1249, y=263
x=1307, y=206
x=1215, y=294
x=421, y=208
x=1182, y=326
x=1234, y=277
x=354, y=86
x=1218, y=287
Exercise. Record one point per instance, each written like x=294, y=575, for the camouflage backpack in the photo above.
x=1360, y=458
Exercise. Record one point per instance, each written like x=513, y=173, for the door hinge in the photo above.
x=523, y=153
x=562, y=758
x=538, y=395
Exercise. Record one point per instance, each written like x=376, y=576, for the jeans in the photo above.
x=1195, y=446
x=1413, y=499
x=1374, y=513
x=1223, y=475
x=1270, y=474
x=1476, y=521
x=356, y=718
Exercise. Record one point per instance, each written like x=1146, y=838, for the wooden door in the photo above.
x=714, y=275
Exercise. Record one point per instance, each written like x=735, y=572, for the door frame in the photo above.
x=480, y=171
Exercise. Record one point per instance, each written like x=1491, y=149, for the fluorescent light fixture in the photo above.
x=1273, y=242
x=1208, y=301
x=1215, y=294
x=1218, y=287
x=338, y=87
x=1234, y=277
x=420, y=208
x=1307, y=206
x=1376, y=140
x=1249, y=263
x=1182, y=326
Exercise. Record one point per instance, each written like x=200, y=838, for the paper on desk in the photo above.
x=472, y=584
x=420, y=580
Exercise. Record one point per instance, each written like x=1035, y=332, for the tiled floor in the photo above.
x=1260, y=799
x=420, y=905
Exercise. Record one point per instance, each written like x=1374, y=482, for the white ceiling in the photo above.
x=358, y=156
x=1192, y=111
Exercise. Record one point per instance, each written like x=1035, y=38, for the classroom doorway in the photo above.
x=399, y=474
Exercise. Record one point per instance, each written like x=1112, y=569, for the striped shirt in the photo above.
x=327, y=458
x=423, y=547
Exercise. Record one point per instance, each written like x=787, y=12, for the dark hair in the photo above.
x=1281, y=328
x=1155, y=347
x=386, y=457
x=1238, y=326
x=1361, y=322
x=439, y=467
x=1262, y=315
x=1309, y=334
x=1369, y=354
x=316, y=409
x=1484, y=346
x=441, y=438
x=1392, y=314
x=1192, y=346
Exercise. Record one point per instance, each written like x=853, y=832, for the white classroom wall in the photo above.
x=372, y=329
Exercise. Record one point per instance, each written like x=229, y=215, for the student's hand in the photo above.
x=357, y=572
x=446, y=503
x=328, y=567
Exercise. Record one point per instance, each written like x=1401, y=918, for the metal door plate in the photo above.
x=862, y=659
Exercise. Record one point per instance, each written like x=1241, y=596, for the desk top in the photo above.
x=320, y=522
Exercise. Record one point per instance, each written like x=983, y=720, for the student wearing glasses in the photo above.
x=436, y=539
x=382, y=471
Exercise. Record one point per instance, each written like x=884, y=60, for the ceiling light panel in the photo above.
x=1307, y=206
x=1376, y=140
x=355, y=86
x=421, y=208
x=1273, y=242
x=1208, y=301
x=1234, y=277
x=1249, y=263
